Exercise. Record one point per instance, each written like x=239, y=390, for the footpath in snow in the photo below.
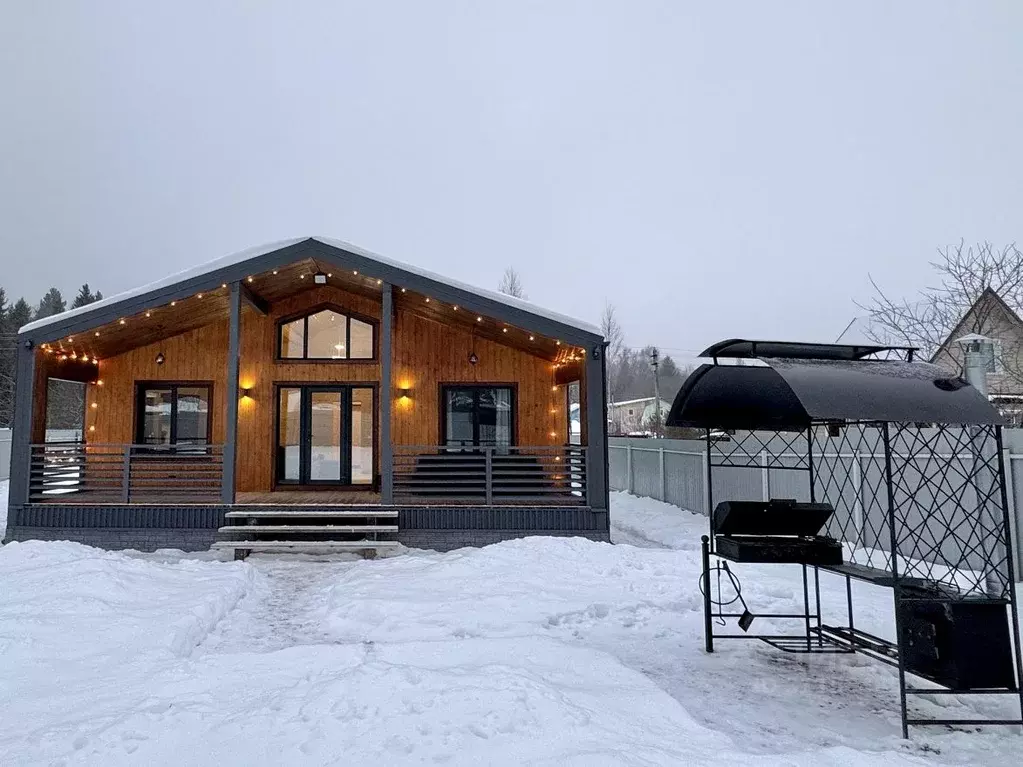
x=539, y=651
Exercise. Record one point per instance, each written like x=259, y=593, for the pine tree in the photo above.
x=12, y=319
x=85, y=297
x=52, y=303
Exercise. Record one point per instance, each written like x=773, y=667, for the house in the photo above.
x=992, y=317
x=635, y=415
x=310, y=392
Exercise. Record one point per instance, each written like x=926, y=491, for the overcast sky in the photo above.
x=712, y=169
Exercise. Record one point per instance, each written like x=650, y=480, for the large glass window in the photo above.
x=478, y=415
x=171, y=414
x=326, y=335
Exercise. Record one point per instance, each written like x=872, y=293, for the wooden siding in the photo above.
x=427, y=354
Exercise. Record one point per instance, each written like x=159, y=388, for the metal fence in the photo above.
x=675, y=471
x=5, y=454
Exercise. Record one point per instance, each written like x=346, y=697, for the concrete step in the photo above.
x=285, y=529
x=306, y=546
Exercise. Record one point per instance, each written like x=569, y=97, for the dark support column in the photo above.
x=596, y=429
x=231, y=412
x=21, y=437
x=386, y=392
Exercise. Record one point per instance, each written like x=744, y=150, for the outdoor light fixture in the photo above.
x=404, y=393
x=320, y=279
x=473, y=359
x=244, y=392
x=160, y=359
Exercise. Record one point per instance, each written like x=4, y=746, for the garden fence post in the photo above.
x=630, y=485
x=664, y=489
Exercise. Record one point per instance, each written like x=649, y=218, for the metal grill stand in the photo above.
x=909, y=458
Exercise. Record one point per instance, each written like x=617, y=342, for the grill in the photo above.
x=775, y=531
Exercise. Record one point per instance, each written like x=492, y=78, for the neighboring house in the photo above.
x=635, y=415
x=311, y=394
x=992, y=317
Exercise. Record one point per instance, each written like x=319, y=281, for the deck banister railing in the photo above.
x=74, y=472
x=491, y=475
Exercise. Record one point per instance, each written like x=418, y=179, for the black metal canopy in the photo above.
x=741, y=348
x=794, y=391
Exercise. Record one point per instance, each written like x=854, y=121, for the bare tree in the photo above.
x=511, y=285
x=963, y=273
x=616, y=351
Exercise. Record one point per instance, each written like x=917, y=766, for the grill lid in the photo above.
x=774, y=517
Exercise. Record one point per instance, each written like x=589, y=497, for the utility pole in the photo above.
x=654, y=364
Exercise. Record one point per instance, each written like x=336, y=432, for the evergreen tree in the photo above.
x=11, y=319
x=85, y=297
x=18, y=315
x=52, y=303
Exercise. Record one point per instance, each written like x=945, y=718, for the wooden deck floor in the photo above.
x=310, y=497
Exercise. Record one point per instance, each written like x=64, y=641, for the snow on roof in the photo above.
x=260, y=250
x=635, y=401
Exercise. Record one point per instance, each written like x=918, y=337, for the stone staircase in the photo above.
x=364, y=530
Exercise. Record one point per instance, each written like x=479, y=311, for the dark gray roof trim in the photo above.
x=312, y=248
x=793, y=394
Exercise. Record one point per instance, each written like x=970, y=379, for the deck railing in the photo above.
x=74, y=472
x=490, y=475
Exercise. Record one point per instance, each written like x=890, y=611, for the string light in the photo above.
x=403, y=290
x=380, y=282
x=427, y=299
x=275, y=271
x=92, y=428
x=74, y=355
x=70, y=339
x=558, y=343
x=199, y=295
x=149, y=314
x=174, y=303
x=94, y=405
x=454, y=308
x=96, y=333
x=479, y=319
x=355, y=271
x=122, y=321
x=223, y=284
x=301, y=276
x=249, y=278
x=532, y=338
x=99, y=381
x=331, y=274
x=504, y=330
x=95, y=361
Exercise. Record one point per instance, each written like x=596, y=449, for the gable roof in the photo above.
x=263, y=257
x=988, y=294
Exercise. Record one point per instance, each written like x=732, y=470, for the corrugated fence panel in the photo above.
x=646, y=471
x=617, y=463
x=683, y=480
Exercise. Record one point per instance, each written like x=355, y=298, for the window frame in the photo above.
x=140, y=403
x=305, y=314
x=476, y=386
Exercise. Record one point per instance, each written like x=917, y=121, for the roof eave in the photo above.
x=311, y=248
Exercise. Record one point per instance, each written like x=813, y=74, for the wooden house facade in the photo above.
x=310, y=394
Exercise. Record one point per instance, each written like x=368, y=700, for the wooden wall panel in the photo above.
x=426, y=354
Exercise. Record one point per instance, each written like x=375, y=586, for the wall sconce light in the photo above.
x=160, y=359
x=245, y=393
x=404, y=393
x=473, y=359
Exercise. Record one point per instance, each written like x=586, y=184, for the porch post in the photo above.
x=596, y=429
x=231, y=411
x=386, y=390
x=21, y=436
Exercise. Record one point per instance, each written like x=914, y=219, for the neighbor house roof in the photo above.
x=234, y=266
x=987, y=295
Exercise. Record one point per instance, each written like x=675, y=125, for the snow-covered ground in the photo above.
x=540, y=651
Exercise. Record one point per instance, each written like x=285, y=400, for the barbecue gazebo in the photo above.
x=876, y=468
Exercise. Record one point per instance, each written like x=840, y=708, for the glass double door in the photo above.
x=325, y=435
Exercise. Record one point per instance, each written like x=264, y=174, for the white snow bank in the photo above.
x=635, y=519
x=75, y=620
x=527, y=585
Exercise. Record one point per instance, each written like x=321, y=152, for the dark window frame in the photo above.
x=306, y=389
x=305, y=314
x=140, y=403
x=513, y=387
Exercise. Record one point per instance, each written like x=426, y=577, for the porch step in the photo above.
x=381, y=513
x=306, y=546
x=248, y=529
